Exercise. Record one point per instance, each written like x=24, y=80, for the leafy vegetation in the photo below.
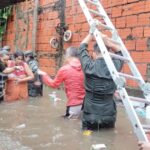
x=4, y=15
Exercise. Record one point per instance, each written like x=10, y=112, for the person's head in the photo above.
x=18, y=56
x=4, y=57
x=6, y=48
x=96, y=51
x=28, y=55
x=71, y=52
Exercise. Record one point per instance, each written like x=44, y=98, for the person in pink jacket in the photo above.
x=73, y=78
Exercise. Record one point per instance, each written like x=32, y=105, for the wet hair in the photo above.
x=96, y=49
x=3, y=53
x=7, y=48
x=30, y=54
x=72, y=52
x=19, y=53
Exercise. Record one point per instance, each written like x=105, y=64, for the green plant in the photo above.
x=4, y=15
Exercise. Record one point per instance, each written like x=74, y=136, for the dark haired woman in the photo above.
x=17, y=88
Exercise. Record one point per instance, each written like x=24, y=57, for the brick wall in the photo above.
x=130, y=17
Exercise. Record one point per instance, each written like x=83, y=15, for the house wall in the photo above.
x=130, y=17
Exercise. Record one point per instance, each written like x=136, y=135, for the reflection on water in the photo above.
x=38, y=125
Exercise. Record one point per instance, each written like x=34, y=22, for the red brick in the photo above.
x=77, y=27
x=116, y=11
x=141, y=44
x=146, y=56
x=85, y=26
x=143, y=19
x=130, y=1
x=142, y=68
x=147, y=32
x=127, y=9
x=147, y=6
x=120, y=22
x=44, y=62
x=124, y=33
x=138, y=7
x=130, y=44
x=113, y=21
x=118, y=2
x=75, y=37
x=44, y=47
x=137, y=32
x=136, y=56
x=69, y=19
x=126, y=69
x=131, y=21
x=132, y=83
x=43, y=39
x=71, y=27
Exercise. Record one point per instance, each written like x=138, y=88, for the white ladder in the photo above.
x=119, y=78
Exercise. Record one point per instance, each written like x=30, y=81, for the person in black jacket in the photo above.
x=35, y=87
x=99, y=109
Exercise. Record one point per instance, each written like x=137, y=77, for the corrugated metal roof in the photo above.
x=5, y=3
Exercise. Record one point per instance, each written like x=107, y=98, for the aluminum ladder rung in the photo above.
x=145, y=126
x=119, y=57
x=129, y=76
x=96, y=12
x=147, y=131
x=142, y=100
x=105, y=26
x=92, y=2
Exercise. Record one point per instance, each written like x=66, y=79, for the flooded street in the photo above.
x=37, y=125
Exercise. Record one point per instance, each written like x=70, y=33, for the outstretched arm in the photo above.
x=54, y=83
x=85, y=59
x=87, y=39
x=9, y=70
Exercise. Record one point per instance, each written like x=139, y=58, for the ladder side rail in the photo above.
x=125, y=52
x=138, y=129
x=106, y=18
x=102, y=46
x=85, y=11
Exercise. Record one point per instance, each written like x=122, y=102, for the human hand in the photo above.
x=104, y=36
x=40, y=72
x=18, y=80
x=93, y=26
x=19, y=68
x=144, y=145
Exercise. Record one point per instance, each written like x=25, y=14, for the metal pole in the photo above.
x=35, y=21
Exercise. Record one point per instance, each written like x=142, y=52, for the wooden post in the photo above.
x=35, y=21
x=16, y=27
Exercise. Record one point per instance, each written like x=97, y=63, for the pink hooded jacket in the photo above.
x=72, y=76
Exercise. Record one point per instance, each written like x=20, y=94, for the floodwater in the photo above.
x=37, y=125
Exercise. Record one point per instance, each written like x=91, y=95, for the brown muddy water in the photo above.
x=37, y=125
